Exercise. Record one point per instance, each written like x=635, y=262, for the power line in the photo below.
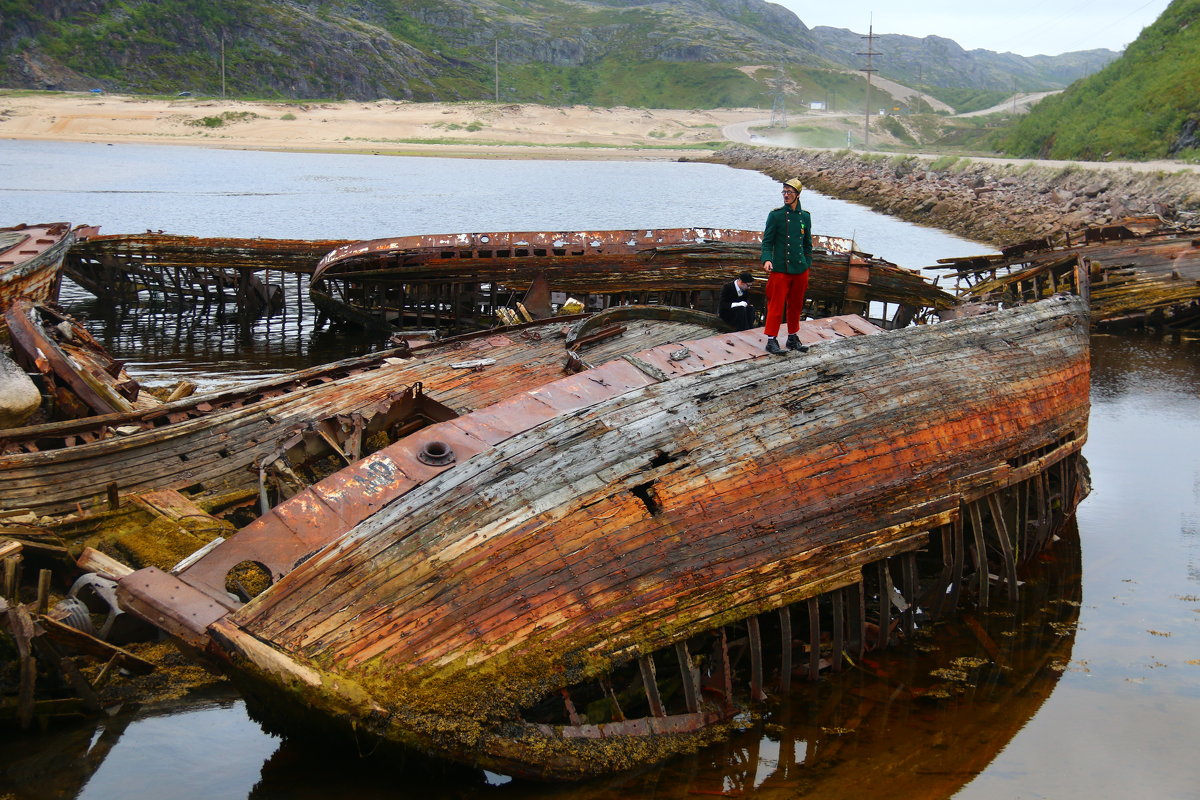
x=870, y=37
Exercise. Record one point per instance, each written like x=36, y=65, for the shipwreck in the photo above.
x=468, y=279
x=1137, y=272
x=604, y=569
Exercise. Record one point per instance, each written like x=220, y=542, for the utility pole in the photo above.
x=496, y=66
x=870, y=70
x=778, y=110
x=222, y=65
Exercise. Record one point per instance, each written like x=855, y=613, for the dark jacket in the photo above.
x=742, y=317
x=787, y=240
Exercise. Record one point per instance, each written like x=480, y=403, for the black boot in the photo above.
x=773, y=346
x=793, y=343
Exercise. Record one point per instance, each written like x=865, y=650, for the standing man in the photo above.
x=786, y=256
x=734, y=306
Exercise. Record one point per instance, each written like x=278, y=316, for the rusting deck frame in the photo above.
x=633, y=538
x=1131, y=274
x=411, y=281
x=30, y=260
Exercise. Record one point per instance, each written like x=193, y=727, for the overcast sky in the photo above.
x=1025, y=27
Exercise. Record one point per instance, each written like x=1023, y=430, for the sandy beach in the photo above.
x=468, y=129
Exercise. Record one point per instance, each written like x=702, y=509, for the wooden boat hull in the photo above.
x=643, y=512
x=31, y=257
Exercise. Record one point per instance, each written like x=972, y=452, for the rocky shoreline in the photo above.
x=994, y=203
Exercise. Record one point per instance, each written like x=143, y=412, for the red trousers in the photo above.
x=785, y=289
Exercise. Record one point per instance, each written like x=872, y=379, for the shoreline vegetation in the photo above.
x=995, y=201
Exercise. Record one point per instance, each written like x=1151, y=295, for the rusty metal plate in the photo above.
x=176, y=607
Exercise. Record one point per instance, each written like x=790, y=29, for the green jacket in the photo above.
x=787, y=240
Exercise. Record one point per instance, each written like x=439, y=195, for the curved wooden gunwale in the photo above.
x=717, y=484
x=30, y=260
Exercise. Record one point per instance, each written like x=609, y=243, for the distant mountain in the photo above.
x=1144, y=105
x=675, y=53
x=935, y=61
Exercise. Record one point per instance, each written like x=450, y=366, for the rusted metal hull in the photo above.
x=663, y=513
x=460, y=280
x=30, y=260
x=1139, y=274
x=230, y=440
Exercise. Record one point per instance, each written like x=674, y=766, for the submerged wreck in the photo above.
x=465, y=280
x=250, y=273
x=1140, y=273
x=605, y=569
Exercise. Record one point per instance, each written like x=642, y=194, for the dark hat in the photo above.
x=746, y=277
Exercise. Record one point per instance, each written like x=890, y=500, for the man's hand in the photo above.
x=767, y=266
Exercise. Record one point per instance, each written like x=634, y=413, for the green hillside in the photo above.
x=665, y=53
x=1143, y=106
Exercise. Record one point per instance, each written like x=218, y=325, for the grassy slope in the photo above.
x=1136, y=108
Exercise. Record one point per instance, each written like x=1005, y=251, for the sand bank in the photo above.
x=471, y=129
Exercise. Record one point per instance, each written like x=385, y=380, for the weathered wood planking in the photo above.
x=219, y=447
x=719, y=484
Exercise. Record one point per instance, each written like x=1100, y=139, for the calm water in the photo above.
x=1099, y=690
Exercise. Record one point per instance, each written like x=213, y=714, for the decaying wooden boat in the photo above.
x=463, y=280
x=79, y=378
x=248, y=272
x=1140, y=273
x=30, y=260
x=601, y=571
x=262, y=437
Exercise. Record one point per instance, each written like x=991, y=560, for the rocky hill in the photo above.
x=936, y=61
x=671, y=53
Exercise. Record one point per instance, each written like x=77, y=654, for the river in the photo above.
x=1096, y=693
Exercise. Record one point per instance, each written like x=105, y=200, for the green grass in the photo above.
x=1135, y=108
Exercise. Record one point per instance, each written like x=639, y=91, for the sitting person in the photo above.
x=734, y=306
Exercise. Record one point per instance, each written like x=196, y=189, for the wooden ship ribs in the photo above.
x=601, y=572
x=247, y=272
x=467, y=279
x=1140, y=273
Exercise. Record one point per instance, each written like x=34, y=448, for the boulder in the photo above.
x=19, y=396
